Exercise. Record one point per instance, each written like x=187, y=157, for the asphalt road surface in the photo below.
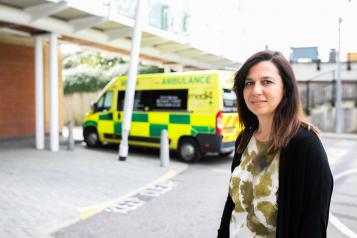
x=190, y=205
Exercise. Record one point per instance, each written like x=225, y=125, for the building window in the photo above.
x=164, y=17
x=185, y=22
x=126, y=7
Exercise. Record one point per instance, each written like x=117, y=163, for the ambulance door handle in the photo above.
x=118, y=116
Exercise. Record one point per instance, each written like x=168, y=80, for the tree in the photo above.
x=90, y=71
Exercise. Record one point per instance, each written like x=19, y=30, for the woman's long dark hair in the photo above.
x=288, y=116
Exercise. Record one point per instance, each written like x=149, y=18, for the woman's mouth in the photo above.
x=258, y=102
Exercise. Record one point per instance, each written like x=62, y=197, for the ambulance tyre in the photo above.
x=224, y=154
x=91, y=137
x=189, y=151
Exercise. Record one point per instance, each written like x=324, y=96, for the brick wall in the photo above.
x=17, y=99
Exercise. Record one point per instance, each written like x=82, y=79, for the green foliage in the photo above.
x=89, y=71
x=108, y=63
x=149, y=69
x=70, y=63
x=84, y=82
x=91, y=59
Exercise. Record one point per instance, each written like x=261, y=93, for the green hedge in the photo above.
x=84, y=82
x=87, y=71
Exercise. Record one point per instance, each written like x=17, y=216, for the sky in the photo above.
x=251, y=25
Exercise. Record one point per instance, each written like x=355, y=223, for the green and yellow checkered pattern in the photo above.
x=177, y=124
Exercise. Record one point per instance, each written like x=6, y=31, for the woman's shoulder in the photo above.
x=305, y=135
x=306, y=144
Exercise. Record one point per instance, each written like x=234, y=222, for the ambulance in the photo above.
x=198, y=109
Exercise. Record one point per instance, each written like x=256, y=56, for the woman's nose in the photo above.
x=257, y=89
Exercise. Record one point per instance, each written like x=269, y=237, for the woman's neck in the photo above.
x=264, y=129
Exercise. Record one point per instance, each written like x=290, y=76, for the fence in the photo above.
x=76, y=105
x=315, y=92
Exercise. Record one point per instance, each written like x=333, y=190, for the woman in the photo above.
x=281, y=182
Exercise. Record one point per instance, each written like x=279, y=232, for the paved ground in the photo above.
x=342, y=153
x=343, y=216
x=199, y=195
x=191, y=209
x=41, y=191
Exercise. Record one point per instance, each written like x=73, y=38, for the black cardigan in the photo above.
x=305, y=189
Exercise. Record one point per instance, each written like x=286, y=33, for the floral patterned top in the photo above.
x=254, y=189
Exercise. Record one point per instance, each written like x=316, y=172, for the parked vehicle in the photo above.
x=198, y=109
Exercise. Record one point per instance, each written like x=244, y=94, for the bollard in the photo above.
x=70, y=136
x=164, y=150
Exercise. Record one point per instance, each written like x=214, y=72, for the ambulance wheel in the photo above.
x=224, y=154
x=91, y=137
x=189, y=151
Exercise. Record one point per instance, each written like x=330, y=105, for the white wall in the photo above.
x=306, y=71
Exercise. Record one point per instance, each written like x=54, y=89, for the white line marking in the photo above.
x=87, y=212
x=334, y=220
x=344, y=173
x=341, y=227
x=126, y=206
x=158, y=189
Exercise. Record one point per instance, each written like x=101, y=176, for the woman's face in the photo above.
x=263, y=89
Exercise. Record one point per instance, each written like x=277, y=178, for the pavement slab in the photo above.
x=42, y=191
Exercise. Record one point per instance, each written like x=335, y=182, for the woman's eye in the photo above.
x=266, y=82
x=248, y=83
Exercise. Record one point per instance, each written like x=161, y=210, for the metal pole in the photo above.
x=356, y=95
x=70, y=135
x=307, y=96
x=333, y=89
x=54, y=107
x=40, y=122
x=338, y=82
x=164, y=150
x=130, y=85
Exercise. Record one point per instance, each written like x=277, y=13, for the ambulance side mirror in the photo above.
x=95, y=107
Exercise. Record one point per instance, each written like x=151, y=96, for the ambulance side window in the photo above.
x=156, y=100
x=138, y=105
x=229, y=101
x=169, y=100
x=105, y=102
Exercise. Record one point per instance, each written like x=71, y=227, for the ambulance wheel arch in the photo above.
x=189, y=150
x=91, y=137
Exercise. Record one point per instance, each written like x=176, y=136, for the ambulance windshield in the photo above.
x=229, y=101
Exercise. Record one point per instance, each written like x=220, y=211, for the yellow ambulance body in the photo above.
x=198, y=109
